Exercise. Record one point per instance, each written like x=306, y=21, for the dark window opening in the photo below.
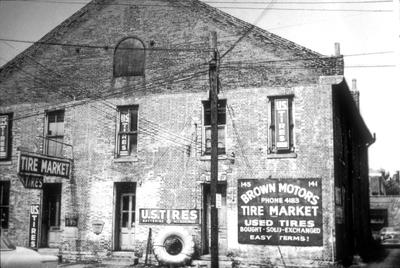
x=129, y=58
x=4, y=203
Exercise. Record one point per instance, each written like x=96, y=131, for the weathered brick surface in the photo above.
x=169, y=169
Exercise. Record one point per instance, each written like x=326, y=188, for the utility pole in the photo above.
x=213, y=73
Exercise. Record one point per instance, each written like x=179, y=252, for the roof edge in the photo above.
x=257, y=30
x=51, y=34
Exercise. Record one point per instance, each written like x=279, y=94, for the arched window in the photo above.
x=129, y=57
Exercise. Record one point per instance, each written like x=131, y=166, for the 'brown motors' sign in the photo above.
x=43, y=165
x=280, y=212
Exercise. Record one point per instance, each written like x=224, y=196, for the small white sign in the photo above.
x=218, y=200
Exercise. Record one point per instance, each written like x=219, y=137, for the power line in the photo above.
x=156, y=82
x=105, y=47
x=300, y=3
x=256, y=67
x=249, y=30
x=208, y=2
x=371, y=66
x=310, y=9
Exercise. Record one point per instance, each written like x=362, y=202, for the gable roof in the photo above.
x=217, y=15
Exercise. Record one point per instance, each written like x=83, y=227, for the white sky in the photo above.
x=357, y=32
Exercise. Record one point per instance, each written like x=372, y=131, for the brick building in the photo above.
x=106, y=133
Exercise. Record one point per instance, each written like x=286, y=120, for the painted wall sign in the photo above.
x=280, y=212
x=169, y=216
x=282, y=124
x=34, y=225
x=31, y=181
x=4, y=136
x=43, y=165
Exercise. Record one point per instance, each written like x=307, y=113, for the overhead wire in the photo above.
x=105, y=46
x=221, y=7
x=153, y=84
x=150, y=85
x=265, y=9
x=302, y=2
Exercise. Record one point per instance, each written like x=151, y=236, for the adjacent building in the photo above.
x=105, y=134
x=385, y=206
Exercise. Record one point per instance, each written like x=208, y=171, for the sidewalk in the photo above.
x=92, y=265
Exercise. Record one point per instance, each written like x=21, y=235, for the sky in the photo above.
x=368, y=32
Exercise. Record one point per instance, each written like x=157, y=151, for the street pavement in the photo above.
x=392, y=260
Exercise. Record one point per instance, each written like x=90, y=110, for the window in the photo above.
x=281, y=125
x=5, y=136
x=127, y=130
x=221, y=126
x=129, y=58
x=4, y=203
x=55, y=133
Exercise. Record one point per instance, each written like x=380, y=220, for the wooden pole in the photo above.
x=214, y=149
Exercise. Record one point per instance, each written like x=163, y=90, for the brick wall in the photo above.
x=169, y=169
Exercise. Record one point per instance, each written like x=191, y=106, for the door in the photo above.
x=50, y=213
x=127, y=221
x=125, y=217
x=222, y=226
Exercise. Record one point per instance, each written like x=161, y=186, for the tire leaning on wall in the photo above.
x=176, y=256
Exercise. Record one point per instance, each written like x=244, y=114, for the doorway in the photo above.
x=222, y=226
x=51, y=208
x=125, y=215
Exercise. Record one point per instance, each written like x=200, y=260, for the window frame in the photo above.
x=272, y=143
x=131, y=132
x=54, y=138
x=206, y=106
x=7, y=136
x=5, y=188
x=124, y=73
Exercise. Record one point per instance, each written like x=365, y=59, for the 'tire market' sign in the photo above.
x=280, y=212
x=43, y=165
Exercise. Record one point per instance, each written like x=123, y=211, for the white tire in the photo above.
x=180, y=253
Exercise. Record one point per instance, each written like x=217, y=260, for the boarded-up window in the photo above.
x=129, y=58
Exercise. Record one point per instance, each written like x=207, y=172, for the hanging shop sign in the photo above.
x=280, y=212
x=31, y=181
x=169, y=216
x=34, y=225
x=43, y=165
